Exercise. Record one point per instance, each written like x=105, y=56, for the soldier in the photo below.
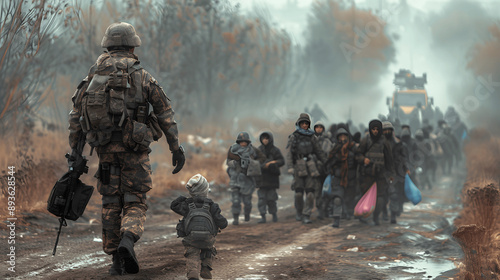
x=270, y=180
x=343, y=167
x=110, y=107
x=375, y=159
x=303, y=150
x=241, y=160
x=326, y=146
x=400, y=159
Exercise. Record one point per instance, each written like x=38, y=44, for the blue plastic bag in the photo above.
x=327, y=185
x=411, y=191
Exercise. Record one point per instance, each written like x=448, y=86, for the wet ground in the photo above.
x=419, y=246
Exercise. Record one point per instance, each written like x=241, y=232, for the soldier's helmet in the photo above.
x=243, y=137
x=120, y=34
x=387, y=125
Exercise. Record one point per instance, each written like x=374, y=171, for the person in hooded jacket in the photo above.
x=376, y=162
x=342, y=166
x=242, y=183
x=303, y=152
x=450, y=146
x=270, y=179
x=411, y=146
x=400, y=159
x=422, y=156
x=326, y=145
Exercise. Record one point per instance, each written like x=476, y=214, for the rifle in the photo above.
x=77, y=166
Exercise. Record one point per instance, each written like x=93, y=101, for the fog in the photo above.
x=267, y=60
x=433, y=37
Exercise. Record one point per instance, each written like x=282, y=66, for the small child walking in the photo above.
x=201, y=222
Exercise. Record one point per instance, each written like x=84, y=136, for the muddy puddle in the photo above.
x=423, y=268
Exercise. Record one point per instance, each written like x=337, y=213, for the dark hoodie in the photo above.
x=270, y=175
x=373, y=145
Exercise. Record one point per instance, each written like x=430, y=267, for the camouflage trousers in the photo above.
x=307, y=184
x=124, y=179
x=197, y=258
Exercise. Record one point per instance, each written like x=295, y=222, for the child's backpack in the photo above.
x=199, y=226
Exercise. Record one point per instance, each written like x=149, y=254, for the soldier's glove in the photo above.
x=77, y=163
x=291, y=171
x=178, y=159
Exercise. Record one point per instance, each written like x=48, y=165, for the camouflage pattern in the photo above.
x=195, y=261
x=135, y=172
x=134, y=178
x=124, y=200
x=115, y=223
x=153, y=94
x=120, y=34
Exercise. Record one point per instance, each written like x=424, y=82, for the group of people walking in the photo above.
x=119, y=109
x=354, y=163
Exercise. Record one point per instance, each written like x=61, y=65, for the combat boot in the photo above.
x=247, y=217
x=205, y=272
x=262, y=220
x=336, y=222
x=236, y=217
x=275, y=217
x=393, y=217
x=127, y=254
x=298, y=216
x=385, y=217
x=306, y=220
x=117, y=266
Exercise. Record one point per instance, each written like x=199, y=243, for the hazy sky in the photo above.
x=409, y=54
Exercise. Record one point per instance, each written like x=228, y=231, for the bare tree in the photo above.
x=27, y=63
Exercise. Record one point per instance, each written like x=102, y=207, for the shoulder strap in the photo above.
x=192, y=206
x=206, y=206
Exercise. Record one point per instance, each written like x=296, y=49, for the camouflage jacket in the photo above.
x=152, y=92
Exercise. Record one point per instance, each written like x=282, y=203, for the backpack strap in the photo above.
x=139, y=106
x=206, y=206
x=192, y=206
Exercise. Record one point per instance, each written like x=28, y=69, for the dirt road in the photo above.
x=419, y=246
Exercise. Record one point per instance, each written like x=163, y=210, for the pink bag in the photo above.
x=366, y=204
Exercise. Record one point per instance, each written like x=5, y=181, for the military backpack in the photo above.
x=114, y=107
x=199, y=226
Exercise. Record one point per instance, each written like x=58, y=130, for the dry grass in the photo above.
x=38, y=158
x=478, y=229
